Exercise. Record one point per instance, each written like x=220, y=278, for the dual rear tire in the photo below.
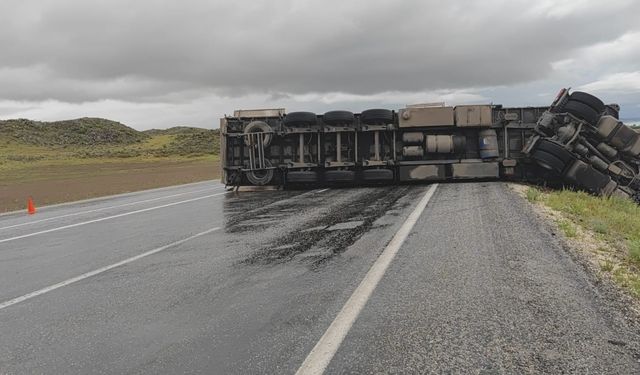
x=561, y=162
x=589, y=100
x=552, y=156
x=368, y=117
x=335, y=118
x=585, y=107
x=344, y=118
x=300, y=119
x=376, y=117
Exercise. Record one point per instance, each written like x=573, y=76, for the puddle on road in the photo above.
x=321, y=239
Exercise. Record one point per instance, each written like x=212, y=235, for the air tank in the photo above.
x=598, y=163
x=413, y=151
x=581, y=150
x=412, y=138
x=607, y=150
x=488, y=145
x=619, y=135
x=444, y=144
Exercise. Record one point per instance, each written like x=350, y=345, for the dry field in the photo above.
x=64, y=182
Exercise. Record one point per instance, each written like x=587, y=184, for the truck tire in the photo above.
x=300, y=119
x=339, y=176
x=584, y=176
x=302, y=177
x=556, y=150
x=376, y=117
x=257, y=127
x=589, y=100
x=339, y=118
x=582, y=111
x=262, y=176
x=377, y=175
x=548, y=161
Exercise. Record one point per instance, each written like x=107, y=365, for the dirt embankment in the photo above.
x=64, y=183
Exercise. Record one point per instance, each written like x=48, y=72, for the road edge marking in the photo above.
x=320, y=356
x=108, y=218
x=106, y=208
x=107, y=197
x=100, y=270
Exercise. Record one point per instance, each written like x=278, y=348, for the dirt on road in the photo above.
x=49, y=184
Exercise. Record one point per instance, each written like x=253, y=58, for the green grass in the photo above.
x=616, y=218
x=634, y=250
x=567, y=228
x=615, y=221
x=533, y=194
x=606, y=266
x=628, y=280
x=599, y=226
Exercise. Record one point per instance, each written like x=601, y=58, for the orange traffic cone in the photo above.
x=31, y=208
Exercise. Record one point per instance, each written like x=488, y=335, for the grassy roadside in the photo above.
x=606, y=229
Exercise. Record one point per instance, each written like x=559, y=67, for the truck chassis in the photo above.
x=577, y=142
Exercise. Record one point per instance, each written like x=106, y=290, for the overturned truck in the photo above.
x=578, y=141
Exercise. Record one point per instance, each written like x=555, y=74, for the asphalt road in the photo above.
x=193, y=279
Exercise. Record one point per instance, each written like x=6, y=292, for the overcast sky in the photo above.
x=157, y=64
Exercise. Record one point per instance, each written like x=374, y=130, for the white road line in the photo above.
x=107, y=208
x=108, y=218
x=100, y=270
x=320, y=356
x=321, y=191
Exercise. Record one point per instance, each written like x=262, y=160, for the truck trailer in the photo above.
x=576, y=142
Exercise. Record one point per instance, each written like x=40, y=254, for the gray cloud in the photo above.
x=176, y=52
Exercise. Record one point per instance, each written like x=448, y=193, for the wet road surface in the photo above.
x=193, y=279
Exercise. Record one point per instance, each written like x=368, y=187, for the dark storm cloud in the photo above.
x=136, y=51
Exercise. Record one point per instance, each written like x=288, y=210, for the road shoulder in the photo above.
x=590, y=251
x=483, y=285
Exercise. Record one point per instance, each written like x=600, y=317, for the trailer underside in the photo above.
x=577, y=141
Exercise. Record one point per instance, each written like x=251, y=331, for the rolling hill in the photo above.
x=97, y=138
x=78, y=132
